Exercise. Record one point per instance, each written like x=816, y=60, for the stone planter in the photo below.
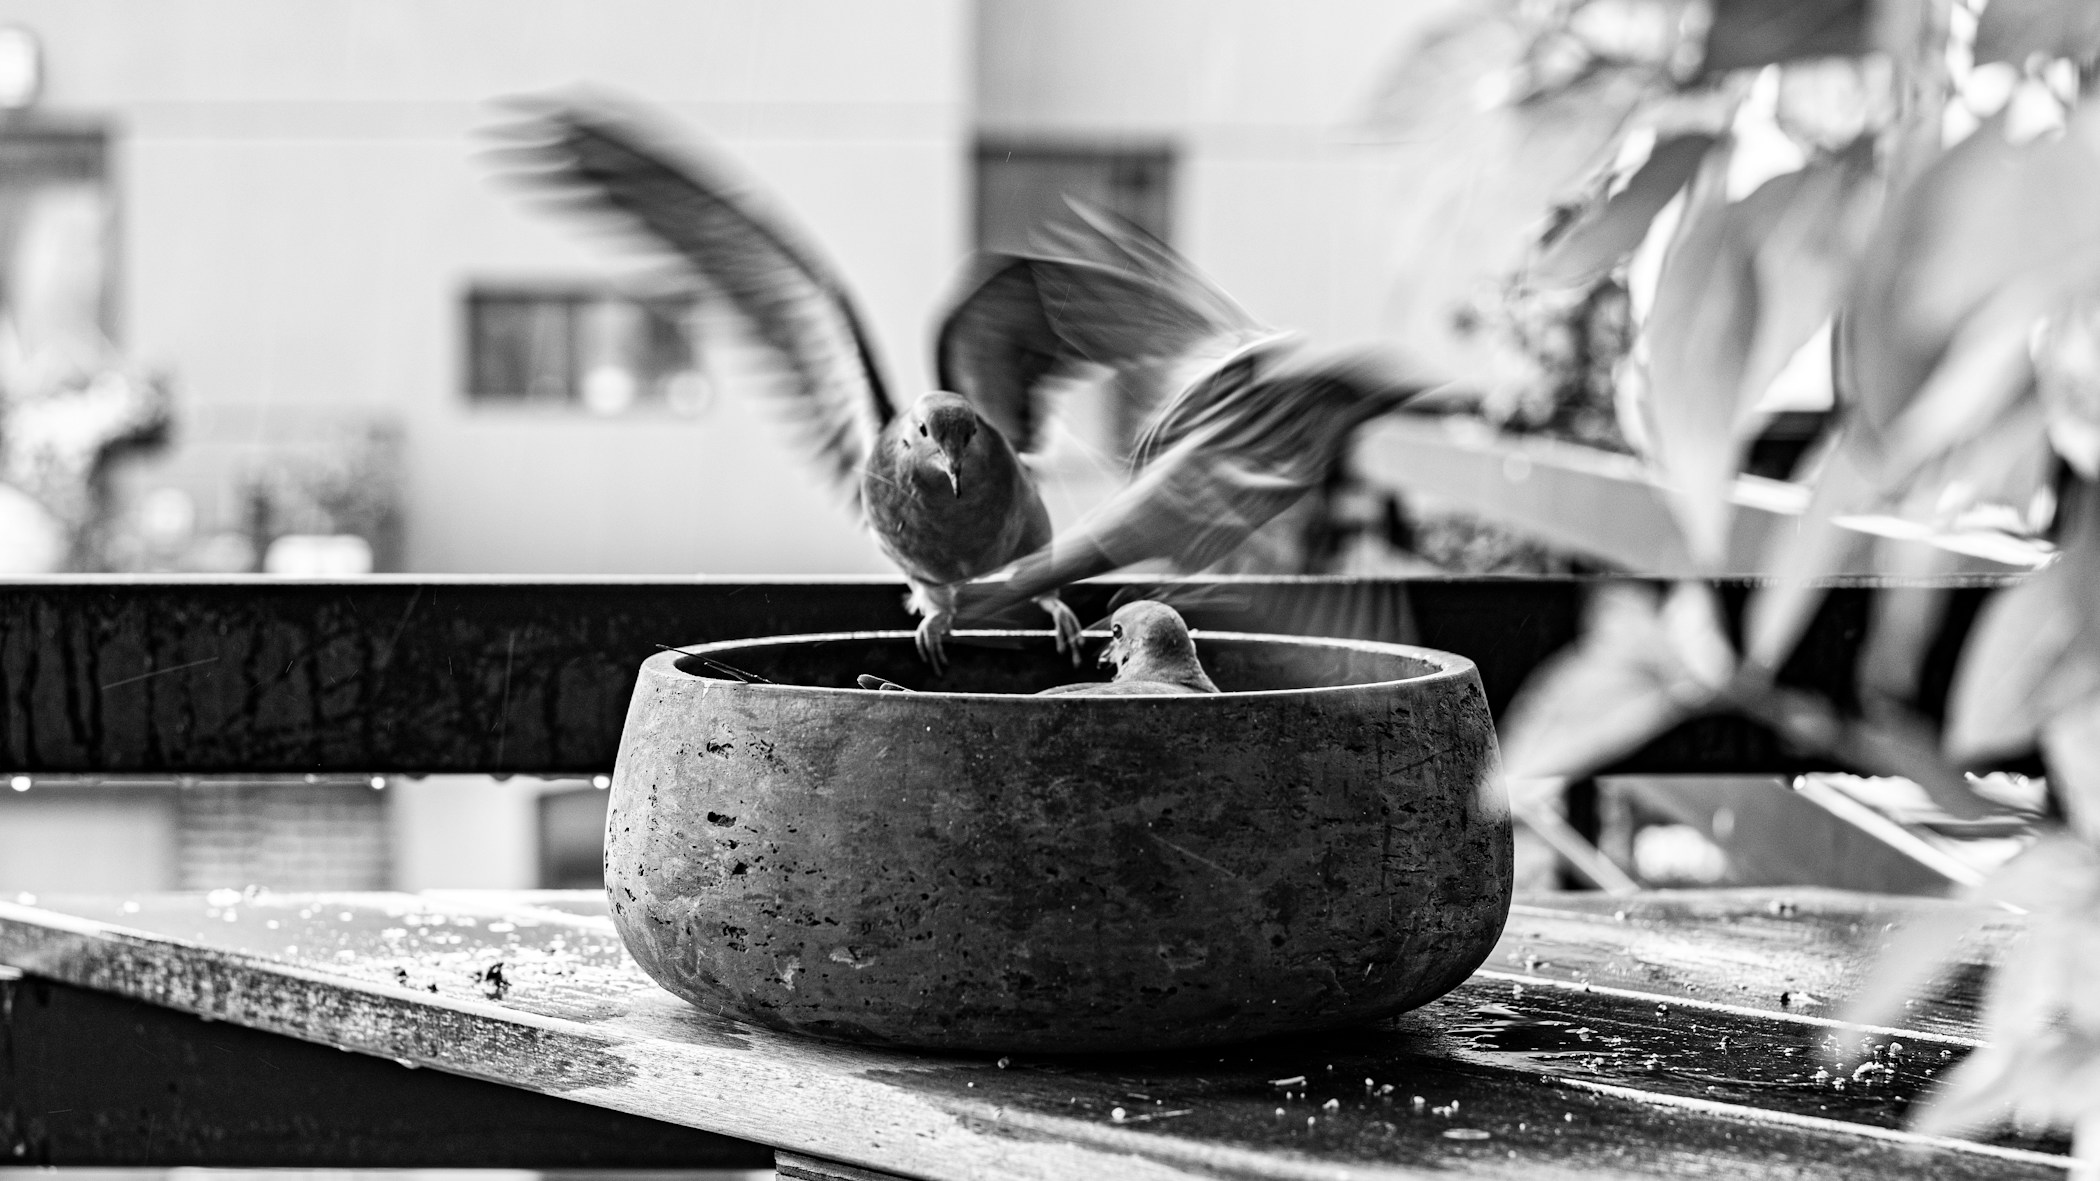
x=1325, y=843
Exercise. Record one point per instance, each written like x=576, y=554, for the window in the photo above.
x=603, y=351
x=55, y=246
x=1021, y=185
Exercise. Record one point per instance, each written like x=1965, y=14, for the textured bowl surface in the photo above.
x=1324, y=843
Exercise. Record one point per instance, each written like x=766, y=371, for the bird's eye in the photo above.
x=922, y=428
x=1116, y=630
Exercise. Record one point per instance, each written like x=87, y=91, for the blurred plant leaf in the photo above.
x=1602, y=238
x=2005, y=463
x=1640, y=667
x=1933, y=340
x=1984, y=369
x=1493, y=149
x=1911, y=958
x=1805, y=230
x=2014, y=30
x=1828, y=103
x=2021, y=664
x=1750, y=33
x=2035, y=651
x=1896, y=741
x=1798, y=559
x=1989, y=232
x=1449, y=74
x=1691, y=618
x=2067, y=376
x=2040, y=1062
x=2071, y=751
x=1906, y=614
x=1927, y=234
x=1698, y=335
x=2043, y=877
x=1744, y=287
x=1648, y=32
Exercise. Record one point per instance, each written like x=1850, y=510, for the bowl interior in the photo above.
x=1027, y=662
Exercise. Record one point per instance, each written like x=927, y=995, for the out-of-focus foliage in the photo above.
x=69, y=401
x=349, y=484
x=2014, y=31
x=1745, y=34
x=1890, y=203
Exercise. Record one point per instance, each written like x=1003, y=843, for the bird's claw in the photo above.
x=1067, y=627
x=932, y=631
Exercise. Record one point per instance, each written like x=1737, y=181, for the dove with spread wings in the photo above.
x=1250, y=420
x=939, y=482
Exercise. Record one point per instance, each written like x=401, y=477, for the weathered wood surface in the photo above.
x=400, y=674
x=1664, y=1035
x=94, y=1080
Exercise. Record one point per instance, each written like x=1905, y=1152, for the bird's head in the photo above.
x=1147, y=633
x=943, y=426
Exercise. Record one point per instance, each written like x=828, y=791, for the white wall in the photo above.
x=302, y=210
x=452, y=832
x=1282, y=196
x=87, y=839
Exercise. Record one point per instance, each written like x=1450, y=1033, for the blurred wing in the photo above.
x=1119, y=243
x=1264, y=400
x=997, y=347
x=598, y=160
x=1098, y=290
x=1271, y=427
x=1024, y=321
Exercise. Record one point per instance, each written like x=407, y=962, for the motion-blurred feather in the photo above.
x=1229, y=454
x=939, y=485
x=597, y=159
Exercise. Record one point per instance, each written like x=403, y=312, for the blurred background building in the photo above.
x=367, y=337
x=375, y=357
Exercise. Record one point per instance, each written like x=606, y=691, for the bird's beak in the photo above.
x=952, y=468
x=1108, y=656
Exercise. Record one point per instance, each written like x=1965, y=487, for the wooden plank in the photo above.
x=1786, y=951
x=1594, y=1046
x=793, y=1166
x=414, y=675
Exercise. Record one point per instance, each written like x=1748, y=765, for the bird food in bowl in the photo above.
x=973, y=864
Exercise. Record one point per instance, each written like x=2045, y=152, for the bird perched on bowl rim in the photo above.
x=940, y=484
x=1149, y=645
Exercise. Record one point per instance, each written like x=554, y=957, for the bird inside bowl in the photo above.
x=1149, y=645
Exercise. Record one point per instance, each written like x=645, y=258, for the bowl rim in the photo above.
x=1448, y=666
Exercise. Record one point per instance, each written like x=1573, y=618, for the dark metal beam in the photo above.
x=418, y=674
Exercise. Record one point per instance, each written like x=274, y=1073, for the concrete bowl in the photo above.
x=1325, y=843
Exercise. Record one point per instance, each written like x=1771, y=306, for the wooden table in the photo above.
x=1670, y=1034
